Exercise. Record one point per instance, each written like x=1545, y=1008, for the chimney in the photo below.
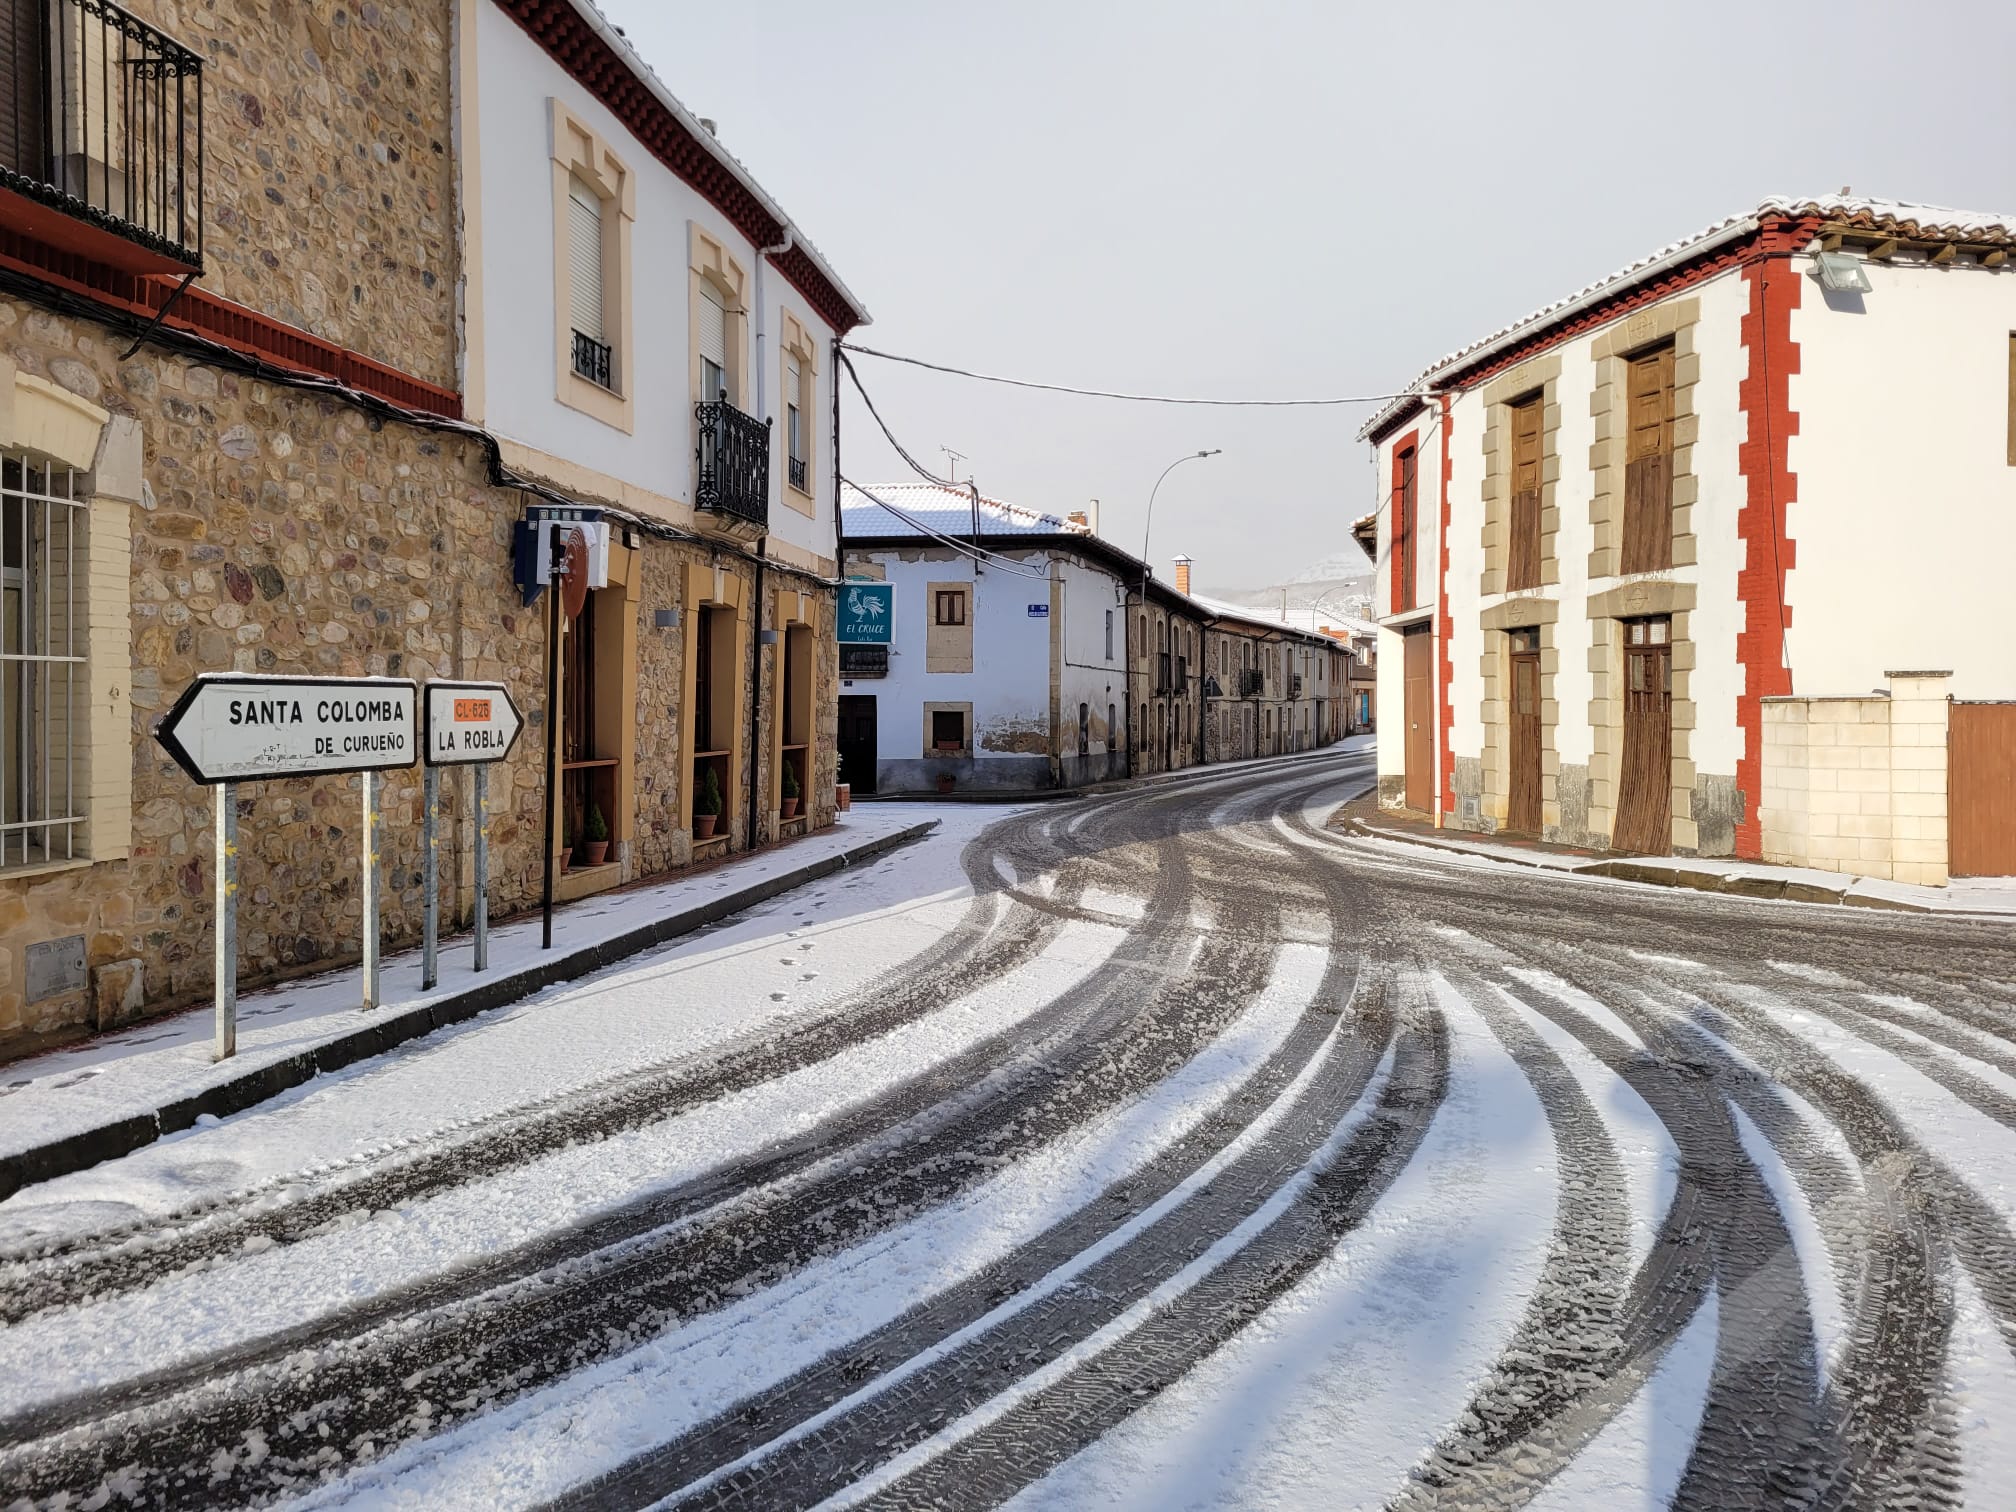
x=1182, y=574
x=1078, y=520
x=1092, y=517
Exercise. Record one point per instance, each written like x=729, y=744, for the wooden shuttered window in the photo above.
x=24, y=115
x=584, y=241
x=1522, y=565
x=1648, y=462
x=1405, y=510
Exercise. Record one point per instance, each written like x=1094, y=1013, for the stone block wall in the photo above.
x=1859, y=784
x=328, y=179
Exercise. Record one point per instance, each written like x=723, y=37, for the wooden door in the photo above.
x=1648, y=464
x=1419, y=749
x=1645, y=787
x=1522, y=563
x=1523, y=812
x=1981, y=778
x=857, y=741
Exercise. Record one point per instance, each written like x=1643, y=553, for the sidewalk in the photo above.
x=1991, y=896
x=68, y=1109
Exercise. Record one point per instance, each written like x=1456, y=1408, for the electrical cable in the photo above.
x=980, y=555
x=1092, y=393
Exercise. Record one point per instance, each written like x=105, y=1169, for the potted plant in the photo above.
x=707, y=806
x=945, y=781
x=598, y=836
x=789, y=809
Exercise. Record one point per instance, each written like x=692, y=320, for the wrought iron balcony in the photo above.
x=101, y=123
x=1161, y=673
x=798, y=473
x=1250, y=682
x=734, y=476
x=1295, y=690
x=592, y=360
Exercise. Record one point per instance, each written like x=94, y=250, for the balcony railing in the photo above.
x=592, y=360
x=734, y=456
x=798, y=473
x=1250, y=682
x=1161, y=673
x=102, y=120
x=1295, y=688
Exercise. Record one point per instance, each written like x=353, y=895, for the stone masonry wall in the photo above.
x=279, y=531
x=328, y=180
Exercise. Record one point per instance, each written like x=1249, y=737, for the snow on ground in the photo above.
x=599, y=1418
x=1809, y=1246
x=168, y=1323
x=1636, y=1462
x=1332, y=1395
x=1981, y=1375
x=83, y=1086
x=758, y=971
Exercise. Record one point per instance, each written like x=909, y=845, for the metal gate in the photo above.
x=1981, y=790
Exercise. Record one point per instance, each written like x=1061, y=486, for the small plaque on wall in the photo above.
x=55, y=967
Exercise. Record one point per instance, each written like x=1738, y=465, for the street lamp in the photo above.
x=1147, y=526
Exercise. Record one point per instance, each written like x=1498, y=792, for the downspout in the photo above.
x=763, y=255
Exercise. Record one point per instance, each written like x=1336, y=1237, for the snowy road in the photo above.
x=1164, y=1150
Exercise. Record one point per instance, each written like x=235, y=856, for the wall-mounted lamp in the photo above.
x=1842, y=273
x=665, y=619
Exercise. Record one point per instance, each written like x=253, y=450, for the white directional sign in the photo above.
x=469, y=722
x=234, y=727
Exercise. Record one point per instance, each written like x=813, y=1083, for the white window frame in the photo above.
x=45, y=774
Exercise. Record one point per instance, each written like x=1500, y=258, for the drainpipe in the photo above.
x=762, y=412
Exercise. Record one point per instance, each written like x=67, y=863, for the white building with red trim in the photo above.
x=1711, y=557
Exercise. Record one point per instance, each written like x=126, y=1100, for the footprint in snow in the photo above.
x=778, y=997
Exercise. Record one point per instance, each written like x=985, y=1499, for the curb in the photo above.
x=1773, y=889
x=1108, y=786
x=121, y=1136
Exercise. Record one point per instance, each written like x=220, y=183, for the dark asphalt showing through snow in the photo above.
x=1692, y=1002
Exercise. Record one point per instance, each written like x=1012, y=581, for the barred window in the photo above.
x=44, y=688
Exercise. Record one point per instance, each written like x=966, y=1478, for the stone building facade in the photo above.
x=285, y=476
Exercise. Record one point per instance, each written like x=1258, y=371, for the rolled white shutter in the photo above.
x=713, y=327
x=584, y=231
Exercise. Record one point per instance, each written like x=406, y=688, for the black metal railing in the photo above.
x=1162, y=672
x=105, y=122
x=592, y=360
x=1295, y=688
x=798, y=473
x=734, y=454
x=864, y=661
x=1250, y=682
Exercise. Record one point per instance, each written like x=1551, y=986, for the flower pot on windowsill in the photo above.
x=566, y=855
x=598, y=852
x=703, y=826
x=787, y=808
x=945, y=784
x=843, y=795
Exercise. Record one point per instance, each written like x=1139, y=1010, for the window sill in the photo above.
x=610, y=406
x=28, y=870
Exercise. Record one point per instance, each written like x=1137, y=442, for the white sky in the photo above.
x=1277, y=199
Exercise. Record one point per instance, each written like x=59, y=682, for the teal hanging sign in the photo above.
x=867, y=611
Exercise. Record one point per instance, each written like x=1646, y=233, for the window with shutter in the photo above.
x=713, y=342
x=24, y=126
x=1648, y=464
x=584, y=224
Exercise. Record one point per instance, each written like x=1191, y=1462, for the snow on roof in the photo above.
x=921, y=508
x=1902, y=217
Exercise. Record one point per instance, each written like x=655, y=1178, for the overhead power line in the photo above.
x=1092, y=393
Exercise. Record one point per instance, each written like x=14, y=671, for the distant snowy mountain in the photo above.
x=1338, y=584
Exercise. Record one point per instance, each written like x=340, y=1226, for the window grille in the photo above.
x=43, y=687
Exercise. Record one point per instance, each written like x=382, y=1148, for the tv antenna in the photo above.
x=954, y=459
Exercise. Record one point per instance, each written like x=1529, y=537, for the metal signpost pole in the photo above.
x=482, y=866
x=553, y=561
x=430, y=928
x=370, y=890
x=227, y=920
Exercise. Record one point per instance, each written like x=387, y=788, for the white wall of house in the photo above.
x=1905, y=524
x=1088, y=594
x=516, y=80
x=1716, y=682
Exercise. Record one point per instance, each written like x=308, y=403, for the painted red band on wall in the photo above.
x=1445, y=665
x=1770, y=488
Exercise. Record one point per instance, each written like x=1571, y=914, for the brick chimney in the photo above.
x=1182, y=574
x=1078, y=521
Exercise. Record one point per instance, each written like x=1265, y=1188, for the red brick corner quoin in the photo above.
x=1770, y=488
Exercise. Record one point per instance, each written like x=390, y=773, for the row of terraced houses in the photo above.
x=310, y=314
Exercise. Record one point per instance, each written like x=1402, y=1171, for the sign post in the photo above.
x=467, y=724
x=430, y=942
x=227, y=920
x=233, y=727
